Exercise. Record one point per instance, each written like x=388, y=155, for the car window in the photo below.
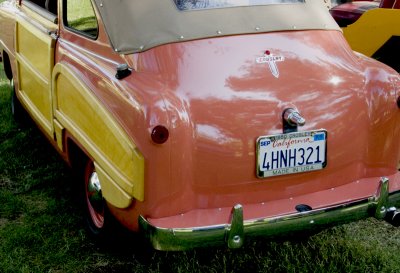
x=80, y=16
x=213, y=4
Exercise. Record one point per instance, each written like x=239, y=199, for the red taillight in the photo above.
x=160, y=134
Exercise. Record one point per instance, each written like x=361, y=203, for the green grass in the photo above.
x=80, y=16
x=41, y=228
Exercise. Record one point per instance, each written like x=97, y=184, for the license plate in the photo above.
x=291, y=153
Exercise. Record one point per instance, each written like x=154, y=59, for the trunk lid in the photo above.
x=223, y=94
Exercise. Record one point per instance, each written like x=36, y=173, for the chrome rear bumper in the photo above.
x=234, y=233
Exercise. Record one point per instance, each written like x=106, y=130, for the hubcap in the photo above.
x=95, y=200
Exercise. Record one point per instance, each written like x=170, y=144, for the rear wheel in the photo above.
x=95, y=206
x=100, y=223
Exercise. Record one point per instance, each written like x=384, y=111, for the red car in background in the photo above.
x=372, y=28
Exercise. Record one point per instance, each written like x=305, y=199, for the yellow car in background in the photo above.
x=372, y=28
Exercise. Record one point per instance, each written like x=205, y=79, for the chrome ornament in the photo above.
x=271, y=60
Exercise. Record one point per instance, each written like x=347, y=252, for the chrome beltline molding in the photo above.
x=234, y=233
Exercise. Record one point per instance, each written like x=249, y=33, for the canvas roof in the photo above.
x=137, y=25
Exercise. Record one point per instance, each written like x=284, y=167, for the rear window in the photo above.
x=214, y=4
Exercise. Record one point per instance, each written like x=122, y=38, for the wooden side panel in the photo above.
x=35, y=60
x=79, y=111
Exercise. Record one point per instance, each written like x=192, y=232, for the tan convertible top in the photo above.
x=137, y=25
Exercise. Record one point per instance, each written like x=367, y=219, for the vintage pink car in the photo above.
x=208, y=122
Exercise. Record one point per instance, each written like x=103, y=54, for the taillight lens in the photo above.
x=160, y=134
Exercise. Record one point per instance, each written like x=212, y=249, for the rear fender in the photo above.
x=78, y=111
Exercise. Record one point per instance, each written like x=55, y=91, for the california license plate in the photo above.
x=291, y=153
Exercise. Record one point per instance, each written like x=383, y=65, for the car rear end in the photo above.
x=269, y=131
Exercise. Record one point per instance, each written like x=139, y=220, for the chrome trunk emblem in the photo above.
x=271, y=60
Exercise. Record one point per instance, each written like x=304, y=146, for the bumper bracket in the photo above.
x=235, y=230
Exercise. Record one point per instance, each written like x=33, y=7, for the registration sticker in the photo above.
x=291, y=153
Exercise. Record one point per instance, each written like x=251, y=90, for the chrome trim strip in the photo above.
x=41, y=11
x=36, y=24
x=233, y=233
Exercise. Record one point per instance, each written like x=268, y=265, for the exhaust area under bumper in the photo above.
x=382, y=205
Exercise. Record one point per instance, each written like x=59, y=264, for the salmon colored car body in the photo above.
x=208, y=122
